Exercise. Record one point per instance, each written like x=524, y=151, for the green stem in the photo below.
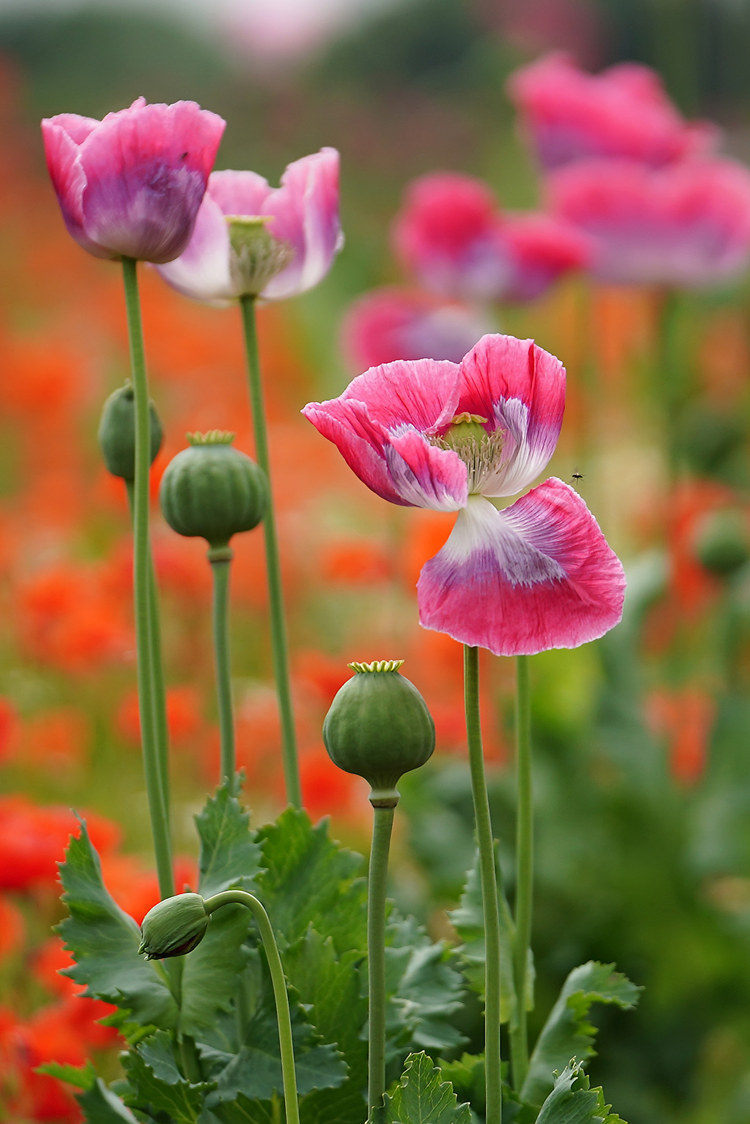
x=488, y=880
x=161, y=731
x=279, y=649
x=157, y=800
x=376, y=906
x=519, y=1048
x=278, y=981
x=221, y=560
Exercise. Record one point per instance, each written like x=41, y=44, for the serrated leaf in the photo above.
x=423, y=990
x=102, y=1106
x=567, y=1031
x=80, y=1076
x=328, y=985
x=468, y=921
x=467, y=1076
x=158, y=1084
x=229, y=856
x=103, y=940
x=311, y=881
x=255, y=1069
x=423, y=1097
x=572, y=1101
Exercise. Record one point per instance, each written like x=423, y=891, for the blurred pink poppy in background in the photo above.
x=294, y=233
x=568, y=114
x=686, y=225
x=397, y=323
x=451, y=236
x=454, y=437
x=131, y=184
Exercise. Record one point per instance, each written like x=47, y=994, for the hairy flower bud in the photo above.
x=723, y=542
x=212, y=490
x=379, y=727
x=117, y=432
x=173, y=927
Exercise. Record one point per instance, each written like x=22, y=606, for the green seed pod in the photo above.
x=212, y=490
x=117, y=432
x=173, y=927
x=379, y=727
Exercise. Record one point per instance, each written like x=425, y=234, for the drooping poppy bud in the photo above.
x=212, y=490
x=173, y=927
x=117, y=432
x=378, y=727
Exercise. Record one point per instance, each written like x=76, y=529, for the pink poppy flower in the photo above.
x=685, y=225
x=570, y=115
x=453, y=437
x=131, y=184
x=292, y=234
x=453, y=238
x=394, y=323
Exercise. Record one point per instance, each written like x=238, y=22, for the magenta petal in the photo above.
x=419, y=393
x=239, y=193
x=520, y=389
x=404, y=468
x=131, y=185
x=534, y=576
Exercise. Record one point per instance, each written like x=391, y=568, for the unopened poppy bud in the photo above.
x=173, y=927
x=117, y=432
x=212, y=490
x=379, y=728
x=723, y=542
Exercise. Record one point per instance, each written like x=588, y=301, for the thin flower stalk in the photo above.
x=221, y=560
x=142, y=576
x=488, y=882
x=376, y=910
x=519, y=1049
x=279, y=645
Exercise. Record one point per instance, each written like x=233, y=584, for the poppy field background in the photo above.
x=641, y=762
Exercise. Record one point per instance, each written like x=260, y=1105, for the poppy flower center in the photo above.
x=480, y=451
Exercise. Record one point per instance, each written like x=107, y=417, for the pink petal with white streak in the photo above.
x=520, y=389
x=534, y=576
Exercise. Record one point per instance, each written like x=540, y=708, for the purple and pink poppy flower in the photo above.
x=623, y=112
x=452, y=237
x=537, y=574
x=130, y=186
x=686, y=225
x=299, y=228
x=399, y=323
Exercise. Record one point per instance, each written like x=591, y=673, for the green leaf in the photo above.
x=422, y=1097
x=159, y=1086
x=423, y=990
x=572, y=1101
x=229, y=854
x=467, y=1076
x=310, y=880
x=255, y=1069
x=104, y=942
x=102, y=1106
x=567, y=1031
x=328, y=985
x=81, y=1076
x=468, y=921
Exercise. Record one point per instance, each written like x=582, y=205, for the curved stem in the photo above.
x=155, y=781
x=220, y=564
x=278, y=981
x=376, y=905
x=279, y=648
x=519, y=1048
x=488, y=880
